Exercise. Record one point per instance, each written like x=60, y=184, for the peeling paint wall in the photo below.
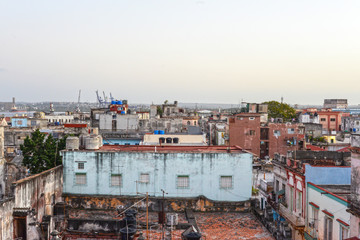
x=6, y=219
x=39, y=192
x=203, y=169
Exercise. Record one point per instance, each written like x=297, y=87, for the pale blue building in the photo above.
x=19, y=122
x=182, y=172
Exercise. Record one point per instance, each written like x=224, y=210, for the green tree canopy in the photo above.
x=280, y=110
x=42, y=153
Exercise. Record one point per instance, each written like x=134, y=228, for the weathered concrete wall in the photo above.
x=123, y=122
x=97, y=204
x=39, y=192
x=6, y=219
x=203, y=169
x=355, y=140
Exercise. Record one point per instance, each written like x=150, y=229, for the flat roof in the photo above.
x=169, y=149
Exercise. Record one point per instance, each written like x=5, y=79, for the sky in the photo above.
x=202, y=51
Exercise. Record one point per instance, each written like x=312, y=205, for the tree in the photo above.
x=159, y=111
x=280, y=110
x=42, y=153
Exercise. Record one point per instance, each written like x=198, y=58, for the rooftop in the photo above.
x=169, y=149
x=219, y=226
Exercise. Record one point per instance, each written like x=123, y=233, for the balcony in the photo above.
x=296, y=221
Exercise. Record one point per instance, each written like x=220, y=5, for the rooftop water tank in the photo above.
x=169, y=140
x=113, y=102
x=72, y=143
x=161, y=140
x=92, y=143
x=161, y=132
x=82, y=139
x=156, y=132
x=176, y=140
x=122, y=112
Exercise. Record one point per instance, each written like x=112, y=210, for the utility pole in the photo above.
x=147, y=216
x=163, y=214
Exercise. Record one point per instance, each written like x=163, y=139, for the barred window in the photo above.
x=81, y=165
x=144, y=178
x=80, y=178
x=226, y=182
x=116, y=180
x=183, y=181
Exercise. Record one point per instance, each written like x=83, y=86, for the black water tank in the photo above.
x=169, y=140
x=193, y=236
x=161, y=140
x=176, y=140
x=127, y=233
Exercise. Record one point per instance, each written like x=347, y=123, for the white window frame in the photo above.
x=114, y=183
x=226, y=182
x=183, y=182
x=144, y=178
x=80, y=179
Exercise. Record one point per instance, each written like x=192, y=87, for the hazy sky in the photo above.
x=186, y=50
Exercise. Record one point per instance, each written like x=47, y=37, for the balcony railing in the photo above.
x=297, y=221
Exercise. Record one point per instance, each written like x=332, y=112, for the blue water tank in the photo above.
x=156, y=132
x=119, y=102
x=122, y=112
x=113, y=102
x=354, y=130
x=161, y=132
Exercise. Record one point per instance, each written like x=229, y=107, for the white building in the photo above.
x=326, y=216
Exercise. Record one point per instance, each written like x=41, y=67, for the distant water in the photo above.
x=12, y=114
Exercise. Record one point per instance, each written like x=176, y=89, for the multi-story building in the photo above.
x=330, y=120
x=336, y=103
x=218, y=173
x=354, y=206
x=246, y=131
x=351, y=124
x=326, y=215
x=293, y=172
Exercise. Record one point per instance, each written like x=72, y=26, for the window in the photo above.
x=291, y=199
x=277, y=133
x=277, y=186
x=314, y=221
x=332, y=119
x=328, y=228
x=183, y=182
x=291, y=130
x=299, y=202
x=188, y=123
x=81, y=165
x=226, y=182
x=344, y=232
x=323, y=119
x=116, y=179
x=80, y=178
x=251, y=118
x=252, y=132
x=144, y=178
